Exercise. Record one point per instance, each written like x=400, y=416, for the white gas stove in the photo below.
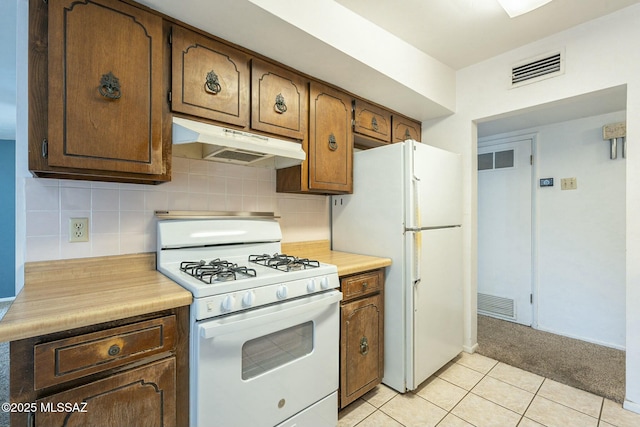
x=264, y=324
x=234, y=263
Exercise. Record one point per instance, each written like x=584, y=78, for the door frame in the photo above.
x=488, y=141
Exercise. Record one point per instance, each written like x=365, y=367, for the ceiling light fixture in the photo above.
x=519, y=7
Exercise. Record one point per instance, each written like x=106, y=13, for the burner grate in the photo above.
x=216, y=270
x=284, y=262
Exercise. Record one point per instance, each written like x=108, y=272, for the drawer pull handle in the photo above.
x=333, y=144
x=110, y=86
x=364, y=346
x=280, y=106
x=212, y=83
x=364, y=286
x=114, y=350
x=374, y=124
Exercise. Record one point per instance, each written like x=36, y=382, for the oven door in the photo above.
x=263, y=366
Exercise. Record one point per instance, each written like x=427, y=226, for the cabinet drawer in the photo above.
x=66, y=359
x=361, y=284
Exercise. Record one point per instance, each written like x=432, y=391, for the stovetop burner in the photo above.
x=216, y=270
x=284, y=262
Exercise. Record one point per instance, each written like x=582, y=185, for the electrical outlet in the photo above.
x=78, y=229
x=569, y=183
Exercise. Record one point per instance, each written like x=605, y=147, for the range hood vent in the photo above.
x=196, y=140
x=549, y=65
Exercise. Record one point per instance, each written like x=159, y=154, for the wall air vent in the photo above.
x=496, y=306
x=540, y=68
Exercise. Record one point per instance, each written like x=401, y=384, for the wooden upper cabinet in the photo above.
x=209, y=79
x=404, y=128
x=105, y=86
x=279, y=100
x=330, y=152
x=372, y=121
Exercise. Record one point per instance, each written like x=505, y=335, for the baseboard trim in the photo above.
x=470, y=349
x=585, y=339
x=631, y=406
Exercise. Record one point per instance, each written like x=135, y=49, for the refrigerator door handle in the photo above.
x=437, y=227
x=417, y=256
x=416, y=223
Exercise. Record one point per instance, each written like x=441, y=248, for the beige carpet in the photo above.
x=590, y=367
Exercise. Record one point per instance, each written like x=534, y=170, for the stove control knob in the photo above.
x=311, y=285
x=228, y=302
x=248, y=299
x=281, y=293
x=324, y=283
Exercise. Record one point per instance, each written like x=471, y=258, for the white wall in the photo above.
x=599, y=54
x=579, y=235
x=121, y=216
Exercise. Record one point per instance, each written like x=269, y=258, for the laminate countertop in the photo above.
x=347, y=263
x=67, y=294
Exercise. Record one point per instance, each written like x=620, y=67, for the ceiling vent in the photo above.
x=542, y=67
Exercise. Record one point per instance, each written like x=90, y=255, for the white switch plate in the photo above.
x=569, y=183
x=78, y=229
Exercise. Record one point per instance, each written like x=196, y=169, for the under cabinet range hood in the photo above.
x=196, y=140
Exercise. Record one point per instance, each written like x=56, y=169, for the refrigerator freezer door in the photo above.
x=434, y=191
x=435, y=318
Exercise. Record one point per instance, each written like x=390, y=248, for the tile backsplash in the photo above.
x=121, y=216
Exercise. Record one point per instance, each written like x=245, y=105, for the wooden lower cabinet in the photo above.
x=144, y=396
x=131, y=372
x=361, y=334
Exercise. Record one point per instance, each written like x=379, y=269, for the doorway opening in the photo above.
x=572, y=205
x=505, y=226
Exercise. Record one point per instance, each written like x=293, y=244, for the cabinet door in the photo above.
x=209, y=79
x=330, y=140
x=361, y=352
x=105, y=87
x=372, y=121
x=404, y=128
x=279, y=100
x=145, y=396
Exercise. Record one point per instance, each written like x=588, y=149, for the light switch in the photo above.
x=569, y=183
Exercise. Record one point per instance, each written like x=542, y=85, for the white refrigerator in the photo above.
x=407, y=205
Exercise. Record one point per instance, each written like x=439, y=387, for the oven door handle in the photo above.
x=309, y=309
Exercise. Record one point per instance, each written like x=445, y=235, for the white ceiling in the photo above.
x=464, y=32
x=457, y=33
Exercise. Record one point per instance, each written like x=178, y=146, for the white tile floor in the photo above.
x=476, y=391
